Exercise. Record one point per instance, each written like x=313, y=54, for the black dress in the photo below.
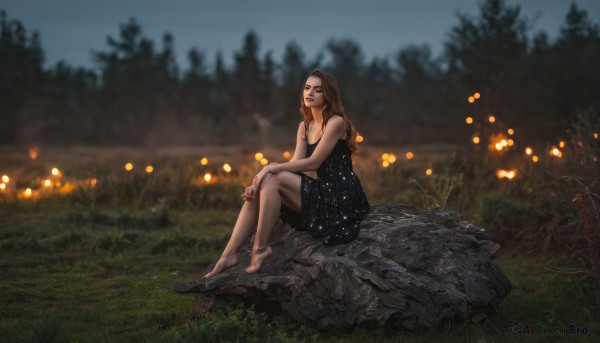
x=334, y=203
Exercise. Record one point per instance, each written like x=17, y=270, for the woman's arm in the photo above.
x=333, y=132
x=300, y=151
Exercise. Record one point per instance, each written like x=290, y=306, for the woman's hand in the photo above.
x=249, y=192
x=272, y=168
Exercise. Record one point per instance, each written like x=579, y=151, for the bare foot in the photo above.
x=258, y=257
x=225, y=262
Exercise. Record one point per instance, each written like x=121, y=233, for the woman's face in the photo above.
x=313, y=92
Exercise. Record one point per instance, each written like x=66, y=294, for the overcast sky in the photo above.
x=71, y=29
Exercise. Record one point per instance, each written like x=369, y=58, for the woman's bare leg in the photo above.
x=244, y=226
x=276, y=188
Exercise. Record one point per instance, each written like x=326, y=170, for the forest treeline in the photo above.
x=136, y=94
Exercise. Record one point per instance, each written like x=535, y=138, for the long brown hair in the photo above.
x=333, y=106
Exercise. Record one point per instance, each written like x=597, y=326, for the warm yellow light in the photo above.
x=492, y=119
x=258, y=156
x=204, y=161
x=33, y=153
x=561, y=144
x=2, y=186
x=535, y=159
x=5, y=178
x=385, y=156
x=359, y=138
x=28, y=192
x=476, y=95
x=471, y=99
x=595, y=135
x=509, y=174
x=409, y=155
x=504, y=142
x=392, y=158
x=128, y=166
x=55, y=171
x=528, y=151
x=264, y=161
x=93, y=182
x=286, y=154
x=385, y=164
x=226, y=167
x=207, y=177
x=555, y=152
x=428, y=171
x=511, y=132
x=149, y=169
x=510, y=142
x=476, y=140
x=469, y=120
x=47, y=183
x=499, y=146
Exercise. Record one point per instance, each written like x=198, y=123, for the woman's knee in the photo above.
x=270, y=181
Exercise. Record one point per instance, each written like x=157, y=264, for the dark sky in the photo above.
x=71, y=29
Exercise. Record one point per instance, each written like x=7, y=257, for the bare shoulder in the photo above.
x=336, y=122
x=301, y=129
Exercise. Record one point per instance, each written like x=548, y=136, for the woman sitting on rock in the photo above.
x=329, y=207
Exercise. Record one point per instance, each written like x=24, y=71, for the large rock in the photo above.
x=407, y=269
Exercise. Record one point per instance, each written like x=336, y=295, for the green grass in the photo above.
x=98, y=275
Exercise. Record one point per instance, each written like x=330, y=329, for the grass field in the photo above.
x=90, y=275
x=94, y=262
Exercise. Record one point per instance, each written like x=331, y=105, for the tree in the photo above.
x=21, y=74
x=137, y=83
x=347, y=65
x=488, y=54
x=577, y=71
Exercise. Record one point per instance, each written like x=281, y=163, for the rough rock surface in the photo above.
x=407, y=269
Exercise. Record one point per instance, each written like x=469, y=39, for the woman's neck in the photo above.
x=317, y=114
